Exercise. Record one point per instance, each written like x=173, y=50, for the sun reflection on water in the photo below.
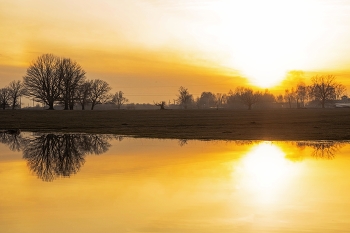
x=264, y=171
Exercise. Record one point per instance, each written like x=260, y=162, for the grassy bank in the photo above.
x=271, y=124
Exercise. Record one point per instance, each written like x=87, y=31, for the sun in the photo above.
x=265, y=39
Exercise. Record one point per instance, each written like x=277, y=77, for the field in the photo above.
x=269, y=124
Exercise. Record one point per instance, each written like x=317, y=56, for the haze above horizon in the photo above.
x=149, y=48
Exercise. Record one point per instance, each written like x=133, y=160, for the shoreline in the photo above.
x=256, y=124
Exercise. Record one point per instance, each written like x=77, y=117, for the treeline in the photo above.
x=323, y=89
x=53, y=81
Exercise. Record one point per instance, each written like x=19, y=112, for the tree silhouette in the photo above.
x=160, y=104
x=119, y=99
x=99, y=92
x=15, y=141
x=248, y=96
x=42, y=81
x=219, y=100
x=5, y=97
x=50, y=156
x=184, y=97
x=72, y=76
x=325, y=88
x=322, y=149
x=206, y=100
x=16, y=91
x=83, y=93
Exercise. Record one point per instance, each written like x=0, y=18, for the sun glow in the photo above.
x=265, y=39
x=265, y=171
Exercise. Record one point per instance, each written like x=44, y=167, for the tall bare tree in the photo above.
x=289, y=96
x=247, y=96
x=83, y=93
x=5, y=97
x=72, y=76
x=219, y=100
x=301, y=94
x=324, y=88
x=99, y=92
x=184, y=98
x=119, y=99
x=42, y=81
x=16, y=91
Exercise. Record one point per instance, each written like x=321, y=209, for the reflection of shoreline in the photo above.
x=50, y=156
x=322, y=149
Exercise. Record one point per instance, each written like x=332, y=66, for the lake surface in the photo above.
x=107, y=183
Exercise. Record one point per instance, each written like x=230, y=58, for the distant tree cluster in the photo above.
x=53, y=80
x=322, y=90
x=10, y=95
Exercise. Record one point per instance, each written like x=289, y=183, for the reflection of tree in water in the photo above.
x=15, y=141
x=182, y=142
x=322, y=149
x=59, y=155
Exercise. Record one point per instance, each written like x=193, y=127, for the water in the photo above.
x=106, y=183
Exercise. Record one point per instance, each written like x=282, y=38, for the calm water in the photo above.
x=98, y=183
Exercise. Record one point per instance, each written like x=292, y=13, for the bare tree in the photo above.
x=83, y=93
x=5, y=97
x=325, y=88
x=184, y=97
x=279, y=99
x=206, y=100
x=219, y=100
x=247, y=96
x=42, y=81
x=99, y=92
x=119, y=99
x=301, y=94
x=160, y=104
x=289, y=96
x=16, y=91
x=72, y=76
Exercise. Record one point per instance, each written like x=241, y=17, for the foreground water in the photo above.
x=106, y=183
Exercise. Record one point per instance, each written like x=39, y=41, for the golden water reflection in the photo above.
x=149, y=185
x=265, y=170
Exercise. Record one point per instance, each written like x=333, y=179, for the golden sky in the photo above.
x=149, y=48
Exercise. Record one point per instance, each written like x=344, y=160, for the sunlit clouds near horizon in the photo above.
x=153, y=46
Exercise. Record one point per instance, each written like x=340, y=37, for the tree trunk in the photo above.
x=65, y=106
x=51, y=106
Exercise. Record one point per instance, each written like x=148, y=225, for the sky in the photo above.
x=149, y=48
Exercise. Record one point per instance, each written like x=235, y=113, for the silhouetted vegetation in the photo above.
x=325, y=88
x=119, y=99
x=160, y=104
x=184, y=98
x=61, y=83
x=322, y=149
x=15, y=141
x=50, y=156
